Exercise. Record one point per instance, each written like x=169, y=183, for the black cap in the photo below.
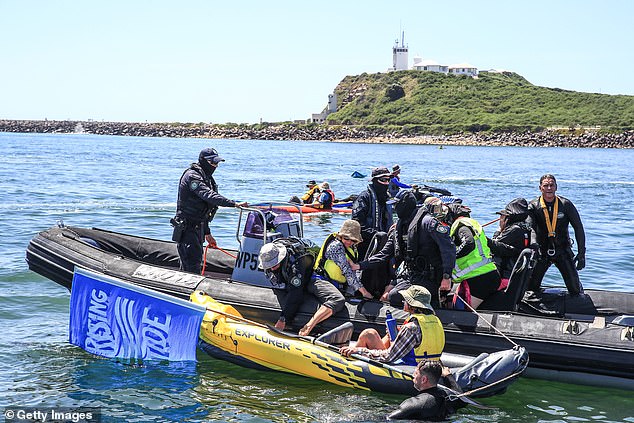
x=311, y=183
x=210, y=154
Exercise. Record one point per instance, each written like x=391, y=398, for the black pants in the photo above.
x=564, y=262
x=190, y=248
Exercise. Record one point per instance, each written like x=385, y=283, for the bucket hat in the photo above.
x=271, y=254
x=351, y=229
x=417, y=296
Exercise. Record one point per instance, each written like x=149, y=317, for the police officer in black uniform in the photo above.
x=549, y=216
x=422, y=244
x=198, y=201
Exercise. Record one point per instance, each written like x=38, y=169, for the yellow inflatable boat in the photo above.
x=226, y=335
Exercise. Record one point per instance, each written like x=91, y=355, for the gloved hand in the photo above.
x=580, y=260
x=534, y=246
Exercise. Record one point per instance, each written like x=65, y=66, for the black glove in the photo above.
x=580, y=260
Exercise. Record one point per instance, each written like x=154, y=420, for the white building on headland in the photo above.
x=463, y=69
x=400, y=60
x=429, y=65
x=331, y=107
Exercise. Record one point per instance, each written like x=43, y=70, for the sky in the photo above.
x=251, y=61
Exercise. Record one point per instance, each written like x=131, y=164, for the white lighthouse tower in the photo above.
x=399, y=54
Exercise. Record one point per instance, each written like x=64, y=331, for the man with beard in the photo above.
x=422, y=244
x=198, y=201
x=370, y=210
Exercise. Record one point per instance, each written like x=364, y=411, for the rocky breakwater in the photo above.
x=338, y=133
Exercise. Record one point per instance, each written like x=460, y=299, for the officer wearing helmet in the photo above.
x=421, y=245
x=198, y=201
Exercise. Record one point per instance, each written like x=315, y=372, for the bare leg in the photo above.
x=320, y=315
x=370, y=338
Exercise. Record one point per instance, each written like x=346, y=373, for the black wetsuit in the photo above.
x=431, y=404
x=198, y=200
x=556, y=250
x=507, y=244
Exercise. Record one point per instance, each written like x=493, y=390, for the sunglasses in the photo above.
x=347, y=238
x=383, y=179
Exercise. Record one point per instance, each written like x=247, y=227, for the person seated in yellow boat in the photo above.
x=337, y=253
x=288, y=264
x=325, y=199
x=421, y=332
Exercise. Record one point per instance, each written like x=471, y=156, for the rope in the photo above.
x=215, y=248
x=488, y=223
x=487, y=322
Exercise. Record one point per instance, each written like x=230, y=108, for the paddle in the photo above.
x=493, y=221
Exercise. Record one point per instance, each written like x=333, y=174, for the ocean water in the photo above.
x=129, y=184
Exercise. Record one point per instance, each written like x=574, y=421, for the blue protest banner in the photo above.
x=112, y=318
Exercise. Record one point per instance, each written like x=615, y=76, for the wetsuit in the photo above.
x=507, y=244
x=555, y=248
x=432, y=404
x=198, y=200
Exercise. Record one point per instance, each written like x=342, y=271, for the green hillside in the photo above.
x=433, y=103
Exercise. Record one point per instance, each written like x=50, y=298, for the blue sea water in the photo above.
x=129, y=184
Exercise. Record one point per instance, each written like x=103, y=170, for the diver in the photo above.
x=432, y=403
x=549, y=216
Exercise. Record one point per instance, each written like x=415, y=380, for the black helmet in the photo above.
x=516, y=210
x=456, y=210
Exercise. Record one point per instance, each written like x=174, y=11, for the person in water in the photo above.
x=513, y=236
x=549, y=215
x=336, y=255
x=475, y=269
x=432, y=403
x=198, y=201
x=422, y=332
x=288, y=264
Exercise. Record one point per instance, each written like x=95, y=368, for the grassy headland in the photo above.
x=433, y=103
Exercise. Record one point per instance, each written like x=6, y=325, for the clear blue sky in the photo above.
x=239, y=61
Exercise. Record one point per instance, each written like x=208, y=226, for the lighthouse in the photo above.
x=399, y=54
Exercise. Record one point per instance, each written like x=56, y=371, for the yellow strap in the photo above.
x=551, y=224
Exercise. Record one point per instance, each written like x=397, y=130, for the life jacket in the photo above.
x=433, y=342
x=328, y=204
x=328, y=268
x=478, y=261
x=309, y=196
